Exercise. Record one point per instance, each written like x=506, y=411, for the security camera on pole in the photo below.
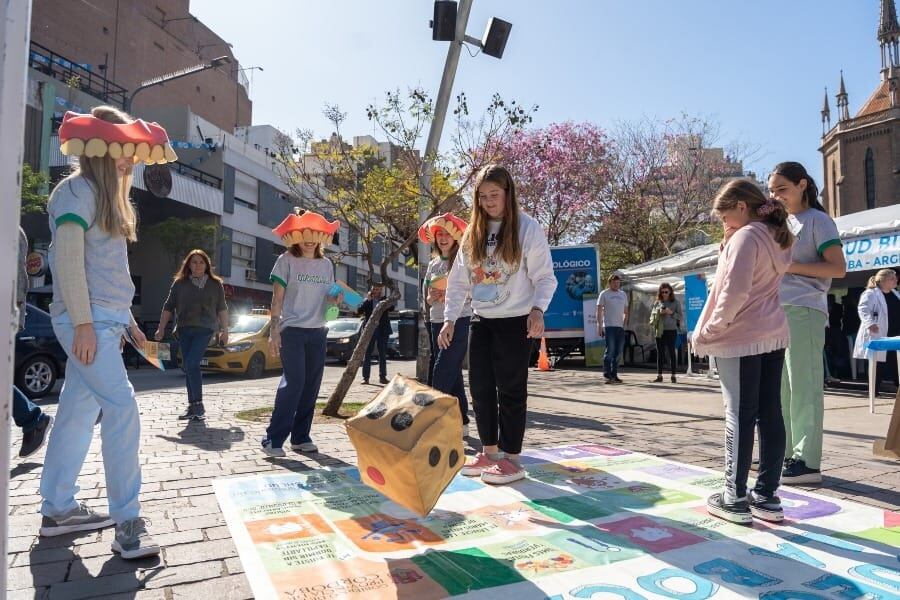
x=449, y=24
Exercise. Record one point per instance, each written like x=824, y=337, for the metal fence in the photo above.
x=76, y=75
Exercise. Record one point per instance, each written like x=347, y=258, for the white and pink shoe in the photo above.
x=476, y=465
x=502, y=472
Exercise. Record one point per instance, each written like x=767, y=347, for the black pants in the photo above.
x=499, y=351
x=667, y=343
x=751, y=386
x=380, y=338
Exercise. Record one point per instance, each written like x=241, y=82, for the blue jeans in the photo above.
x=86, y=389
x=447, y=375
x=26, y=413
x=615, y=343
x=380, y=338
x=303, y=360
x=193, y=342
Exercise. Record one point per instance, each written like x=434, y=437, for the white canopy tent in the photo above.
x=871, y=241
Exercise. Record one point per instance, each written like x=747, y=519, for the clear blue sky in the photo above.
x=758, y=68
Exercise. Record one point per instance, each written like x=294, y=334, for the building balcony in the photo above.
x=75, y=75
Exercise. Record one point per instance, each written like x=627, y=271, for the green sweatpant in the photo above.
x=803, y=386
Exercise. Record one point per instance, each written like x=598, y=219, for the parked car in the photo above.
x=40, y=359
x=341, y=339
x=343, y=335
x=247, y=351
x=393, y=346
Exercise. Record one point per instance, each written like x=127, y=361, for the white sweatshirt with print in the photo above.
x=499, y=290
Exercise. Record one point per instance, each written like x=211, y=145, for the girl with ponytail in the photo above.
x=744, y=328
x=816, y=258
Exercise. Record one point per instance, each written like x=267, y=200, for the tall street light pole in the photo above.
x=431, y=147
x=214, y=63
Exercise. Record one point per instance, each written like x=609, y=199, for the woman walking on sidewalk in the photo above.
x=816, y=257
x=444, y=233
x=197, y=299
x=302, y=279
x=91, y=221
x=744, y=327
x=665, y=318
x=505, y=268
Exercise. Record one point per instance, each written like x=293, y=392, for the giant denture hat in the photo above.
x=86, y=135
x=448, y=222
x=306, y=227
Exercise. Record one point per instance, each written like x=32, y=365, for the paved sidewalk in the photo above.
x=682, y=422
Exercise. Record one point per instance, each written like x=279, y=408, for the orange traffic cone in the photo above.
x=543, y=359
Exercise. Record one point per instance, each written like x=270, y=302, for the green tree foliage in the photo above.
x=34, y=200
x=180, y=236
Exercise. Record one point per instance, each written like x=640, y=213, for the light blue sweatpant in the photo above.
x=86, y=389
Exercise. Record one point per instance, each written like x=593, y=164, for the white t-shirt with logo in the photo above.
x=306, y=282
x=614, y=304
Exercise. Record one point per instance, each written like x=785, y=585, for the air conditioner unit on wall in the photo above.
x=250, y=274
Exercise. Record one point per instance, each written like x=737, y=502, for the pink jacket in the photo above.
x=743, y=315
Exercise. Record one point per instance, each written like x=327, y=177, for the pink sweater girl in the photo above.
x=744, y=329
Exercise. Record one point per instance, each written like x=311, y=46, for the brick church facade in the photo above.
x=861, y=153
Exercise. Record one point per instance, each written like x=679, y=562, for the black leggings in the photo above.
x=499, y=351
x=667, y=343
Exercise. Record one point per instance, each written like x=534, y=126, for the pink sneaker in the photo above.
x=503, y=471
x=475, y=465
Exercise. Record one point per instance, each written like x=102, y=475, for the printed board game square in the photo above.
x=461, y=571
x=603, y=450
x=593, y=546
x=673, y=471
x=288, y=527
x=652, y=535
x=566, y=509
x=383, y=533
x=799, y=507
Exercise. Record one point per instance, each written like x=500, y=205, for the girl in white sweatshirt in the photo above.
x=505, y=267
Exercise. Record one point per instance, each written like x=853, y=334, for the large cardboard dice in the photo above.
x=409, y=443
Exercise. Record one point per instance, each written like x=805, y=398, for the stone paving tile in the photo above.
x=201, y=551
x=190, y=573
x=232, y=587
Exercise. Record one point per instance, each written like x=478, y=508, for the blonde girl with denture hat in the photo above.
x=91, y=223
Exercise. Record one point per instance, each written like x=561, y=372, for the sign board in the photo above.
x=694, y=298
x=576, y=269
x=594, y=344
x=871, y=253
x=35, y=264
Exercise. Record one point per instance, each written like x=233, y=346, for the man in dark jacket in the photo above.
x=382, y=333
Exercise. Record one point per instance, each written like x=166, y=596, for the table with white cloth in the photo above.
x=890, y=445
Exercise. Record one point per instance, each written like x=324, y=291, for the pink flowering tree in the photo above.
x=560, y=172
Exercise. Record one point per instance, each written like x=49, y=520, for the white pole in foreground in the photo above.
x=15, y=19
x=431, y=148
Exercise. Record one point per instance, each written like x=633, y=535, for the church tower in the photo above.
x=861, y=153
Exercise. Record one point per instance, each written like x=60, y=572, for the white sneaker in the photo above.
x=308, y=447
x=268, y=450
x=465, y=431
